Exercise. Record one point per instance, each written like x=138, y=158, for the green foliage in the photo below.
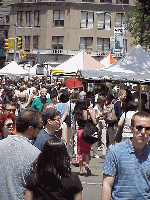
x=133, y=24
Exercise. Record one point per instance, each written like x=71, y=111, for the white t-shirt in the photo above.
x=127, y=123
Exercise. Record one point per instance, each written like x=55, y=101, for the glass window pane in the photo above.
x=107, y=21
x=106, y=44
x=101, y=21
x=54, y=40
x=61, y=40
x=90, y=19
x=56, y=15
x=118, y=20
x=62, y=15
x=89, y=43
x=83, y=19
x=99, y=44
x=82, y=43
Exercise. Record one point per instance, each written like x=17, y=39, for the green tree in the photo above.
x=138, y=21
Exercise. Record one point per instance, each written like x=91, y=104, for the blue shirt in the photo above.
x=41, y=139
x=61, y=107
x=131, y=171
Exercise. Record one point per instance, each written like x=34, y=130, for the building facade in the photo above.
x=4, y=27
x=52, y=31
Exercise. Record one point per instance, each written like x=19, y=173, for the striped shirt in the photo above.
x=131, y=171
x=16, y=157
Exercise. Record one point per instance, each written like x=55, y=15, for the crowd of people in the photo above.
x=35, y=117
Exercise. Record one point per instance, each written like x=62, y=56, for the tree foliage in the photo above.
x=134, y=23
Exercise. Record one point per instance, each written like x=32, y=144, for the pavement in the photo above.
x=92, y=184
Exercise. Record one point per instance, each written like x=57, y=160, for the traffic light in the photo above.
x=25, y=53
x=19, y=42
x=22, y=54
x=11, y=42
x=7, y=44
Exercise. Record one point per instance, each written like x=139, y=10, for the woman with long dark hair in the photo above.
x=51, y=176
x=81, y=115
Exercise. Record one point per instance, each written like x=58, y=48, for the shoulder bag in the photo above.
x=90, y=133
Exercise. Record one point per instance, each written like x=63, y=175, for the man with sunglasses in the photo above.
x=126, y=170
x=51, y=122
x=17, y=155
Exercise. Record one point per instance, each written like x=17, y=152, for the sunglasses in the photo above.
x=10, y=124
x=139, y=128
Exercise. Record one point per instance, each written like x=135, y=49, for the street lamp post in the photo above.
x=15, y=45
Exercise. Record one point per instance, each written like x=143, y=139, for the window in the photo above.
x=27, y=42
x=35, y=42
x=36, y=18
x=28, y=18
x=87, y=19
x=122, y=1
x=120, y=18
x=106, y=1
x=86, y=43
x=103, y=44
x=57, y=42
x=19, y=18
x=58, y=17
x=87, y=0
x=104, y=21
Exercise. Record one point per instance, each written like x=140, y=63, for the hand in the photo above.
x=71, y=141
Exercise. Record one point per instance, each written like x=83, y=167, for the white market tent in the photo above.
x=13, y=69
x=33, y=70
x=107, y=60
x=136, y=62
x=79, y=61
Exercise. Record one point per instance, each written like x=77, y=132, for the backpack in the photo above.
x=90, y=133
x=109, y=114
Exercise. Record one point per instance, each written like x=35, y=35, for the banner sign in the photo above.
x=40, y=70
x=118, y=35
x=112, y=44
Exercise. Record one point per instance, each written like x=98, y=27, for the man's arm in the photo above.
x=108, y=182
x=78, y=196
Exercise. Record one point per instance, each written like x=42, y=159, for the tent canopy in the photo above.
x=13, y=69
x=33, y=70
x=107, y=60
x=79, y=61
x=137, y=61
